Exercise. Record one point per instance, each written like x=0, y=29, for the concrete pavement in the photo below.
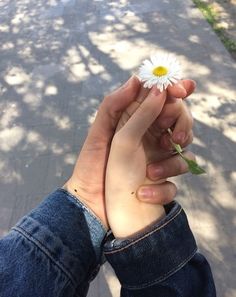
x=58, y=59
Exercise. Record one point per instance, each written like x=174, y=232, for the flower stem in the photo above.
x=193, y=167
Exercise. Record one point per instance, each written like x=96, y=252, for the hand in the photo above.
x=157, y=143
x=88, y=179
x=138, y=142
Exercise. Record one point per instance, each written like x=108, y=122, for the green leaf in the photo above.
x=193, y=167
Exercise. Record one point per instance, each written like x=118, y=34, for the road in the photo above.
x=59, y=58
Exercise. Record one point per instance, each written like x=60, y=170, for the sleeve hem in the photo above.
x=153, y=256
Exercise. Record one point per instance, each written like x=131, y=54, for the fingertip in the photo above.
x=177, y=90
x=120, y=98
x=155, y=172
x=179, y=137
x=155, y=91
x=189, y=85
x=157, y=194
x=145, y=193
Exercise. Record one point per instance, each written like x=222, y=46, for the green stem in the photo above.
x=193, y=167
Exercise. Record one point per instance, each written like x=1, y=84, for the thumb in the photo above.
x=143, y=117
x=111, y=109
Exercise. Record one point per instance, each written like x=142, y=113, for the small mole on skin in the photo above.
x=75, y=190
x=132, y=193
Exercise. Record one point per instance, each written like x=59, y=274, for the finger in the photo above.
x=189, y=85
x=177, y=90
x=170, y=167
x=183, y=126
x=143, y=92
x=170, y=113
x=157, y=194
x=111, y=109
x=188, y=140
x=165, y=141
x=143, y=117
x=181, y=89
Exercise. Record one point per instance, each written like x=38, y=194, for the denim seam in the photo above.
x=74, y=294
x=64, y=287
x=165, y=276
x=46, y=251
x=85, y=207
x=143, y=237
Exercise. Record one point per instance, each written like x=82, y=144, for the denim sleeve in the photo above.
x=162, y=261
x=53, y=251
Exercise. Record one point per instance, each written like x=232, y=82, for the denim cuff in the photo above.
x=155, y=254
x=68, y=233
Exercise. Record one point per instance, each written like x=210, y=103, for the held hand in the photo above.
x=138, y=142
x=126, y=170
x=88, y=179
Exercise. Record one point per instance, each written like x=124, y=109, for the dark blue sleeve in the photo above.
x=162, y=261
x=53, y=251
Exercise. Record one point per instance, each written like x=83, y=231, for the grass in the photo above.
x=212, y=17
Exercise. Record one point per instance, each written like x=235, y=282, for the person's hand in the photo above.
x=139, y=141
x=88, y=179
x=157, y=143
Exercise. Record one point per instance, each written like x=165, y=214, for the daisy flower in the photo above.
x=161, y=70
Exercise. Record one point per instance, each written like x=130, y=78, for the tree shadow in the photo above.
x=59, y=58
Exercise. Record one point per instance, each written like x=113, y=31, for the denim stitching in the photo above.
x=84, y=207
x=143, y=237
x=65, y=287
x=45, y=251
x=165, y=276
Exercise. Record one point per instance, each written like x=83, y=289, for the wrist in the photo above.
x=129, y=216
x=159, y=251
x=94, y=202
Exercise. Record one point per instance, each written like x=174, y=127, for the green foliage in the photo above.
x=207, y=10
x=193, y=167
x=212, y=17
x=229, y=43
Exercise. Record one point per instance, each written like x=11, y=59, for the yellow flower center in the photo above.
x=160, y=71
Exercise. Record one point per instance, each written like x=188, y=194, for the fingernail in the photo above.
x=145, y=193
x=180, y=137
x=156, y=172
x=155, y=91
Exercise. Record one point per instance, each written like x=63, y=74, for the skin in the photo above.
x=88, y=177
x=136, y=144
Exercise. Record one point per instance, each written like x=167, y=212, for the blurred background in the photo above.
x=59, y=58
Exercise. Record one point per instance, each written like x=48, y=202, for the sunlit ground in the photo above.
x=59, y=58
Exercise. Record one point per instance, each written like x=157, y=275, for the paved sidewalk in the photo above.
x=58, y=59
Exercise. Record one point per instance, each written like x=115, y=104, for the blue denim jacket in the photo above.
x=57, y=249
